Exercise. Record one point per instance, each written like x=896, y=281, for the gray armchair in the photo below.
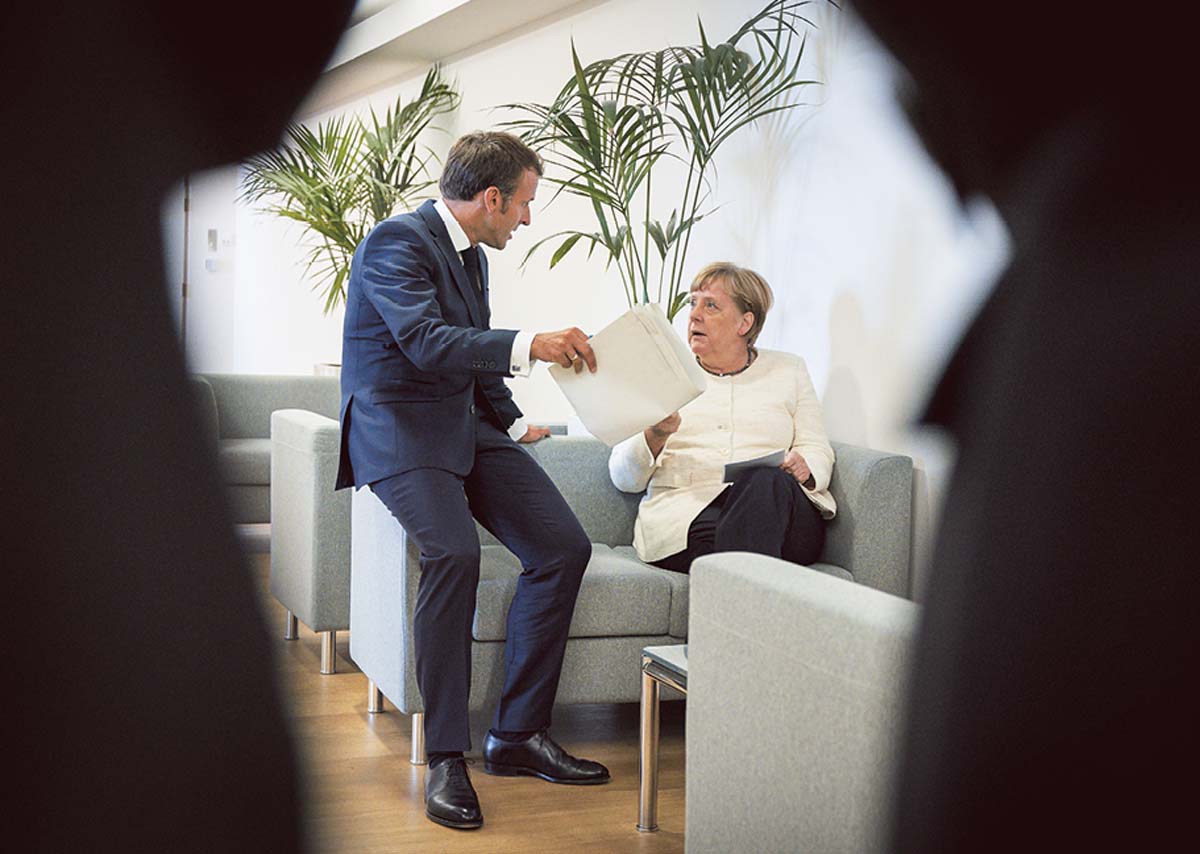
x=623, y=604
x=310, y=528
x=795, y=694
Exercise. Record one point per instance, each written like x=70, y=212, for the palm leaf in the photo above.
x=615, y=118
x=341, y=178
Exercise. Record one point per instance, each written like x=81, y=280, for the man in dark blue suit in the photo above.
x=430, y=426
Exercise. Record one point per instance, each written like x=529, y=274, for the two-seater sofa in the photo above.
x=236, y=410
x=623, y=604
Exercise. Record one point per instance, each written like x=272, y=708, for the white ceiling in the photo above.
x=389, y=40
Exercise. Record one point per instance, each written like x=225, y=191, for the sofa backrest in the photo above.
x=870, y=537
x=578, y=465
x=245, y=401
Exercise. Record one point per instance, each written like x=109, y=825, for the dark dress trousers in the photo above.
x=424, y=414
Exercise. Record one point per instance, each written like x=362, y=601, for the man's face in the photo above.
x=505, y=216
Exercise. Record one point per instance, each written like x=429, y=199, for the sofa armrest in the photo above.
x=871, y=536
x=795, y=688
x=310, y=523
x=385, y=565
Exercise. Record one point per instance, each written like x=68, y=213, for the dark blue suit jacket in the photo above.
x=418, y=357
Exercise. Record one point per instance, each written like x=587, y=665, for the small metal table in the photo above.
x=661, y=665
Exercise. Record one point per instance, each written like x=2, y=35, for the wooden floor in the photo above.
x=362, y=795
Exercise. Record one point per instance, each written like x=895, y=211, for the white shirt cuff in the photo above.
x=521, y=363
x=517, y=429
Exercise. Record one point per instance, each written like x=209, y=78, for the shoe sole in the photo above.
x=497, y=770
x=457, y=825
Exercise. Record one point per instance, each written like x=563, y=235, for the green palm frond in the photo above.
x=345, y=176
x=614, y=119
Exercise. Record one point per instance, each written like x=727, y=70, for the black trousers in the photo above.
x=764, y=511
x=511, y=496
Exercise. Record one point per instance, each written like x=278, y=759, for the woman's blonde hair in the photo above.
x=748, y=289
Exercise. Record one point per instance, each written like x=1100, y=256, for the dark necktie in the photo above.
x=470, y=257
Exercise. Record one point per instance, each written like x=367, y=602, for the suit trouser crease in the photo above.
x=514, y=499
x=763, y=511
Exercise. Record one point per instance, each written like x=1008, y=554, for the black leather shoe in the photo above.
x=450, y=798
x=539, y=756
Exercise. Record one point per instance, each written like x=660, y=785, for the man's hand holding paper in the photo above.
x=567, y=347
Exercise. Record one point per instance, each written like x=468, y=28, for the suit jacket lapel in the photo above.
x=454, y=261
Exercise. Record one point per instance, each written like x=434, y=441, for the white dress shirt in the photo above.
x=770, y=405
x=520, y=363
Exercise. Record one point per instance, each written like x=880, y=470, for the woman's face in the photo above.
x=716, y=326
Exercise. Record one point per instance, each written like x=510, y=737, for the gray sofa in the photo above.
x=237, y=411
x=623, y=604
x=795, y=698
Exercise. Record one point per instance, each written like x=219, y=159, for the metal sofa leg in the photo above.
x=374, y=699
x=418, y=739
x=328, y=652
x=291, y=627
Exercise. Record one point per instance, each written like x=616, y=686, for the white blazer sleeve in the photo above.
x=630, y=465
x=809, y=438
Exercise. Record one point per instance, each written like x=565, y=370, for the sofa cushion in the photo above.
x=620, y=596
x=679, y=588
x=245, y=461
x=679, y=592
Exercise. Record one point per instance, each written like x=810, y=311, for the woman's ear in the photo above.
x=747, y=324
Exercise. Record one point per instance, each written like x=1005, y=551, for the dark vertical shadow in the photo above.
x=147, y=713
x=1053, y=704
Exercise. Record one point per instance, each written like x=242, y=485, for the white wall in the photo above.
x=213, y=277
x=873, y=264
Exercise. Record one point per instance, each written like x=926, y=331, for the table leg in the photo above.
x=648, y=756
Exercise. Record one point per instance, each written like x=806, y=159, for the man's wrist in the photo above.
x=521, y=359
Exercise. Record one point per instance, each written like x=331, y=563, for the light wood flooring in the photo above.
x=362, y=795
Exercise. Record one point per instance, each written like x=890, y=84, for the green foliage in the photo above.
x=614, y=120
x=346, y=176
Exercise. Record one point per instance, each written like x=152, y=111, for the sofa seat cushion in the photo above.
x=679, y=592
x=679, y=588
x=245, y=461
x=620, y=596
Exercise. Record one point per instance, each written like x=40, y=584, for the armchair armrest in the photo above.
x=795, y=689
x=310, y=523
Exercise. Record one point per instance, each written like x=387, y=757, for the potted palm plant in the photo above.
x=344, y=177
x=615, y=119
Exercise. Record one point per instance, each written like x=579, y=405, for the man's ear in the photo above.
x=493, y=199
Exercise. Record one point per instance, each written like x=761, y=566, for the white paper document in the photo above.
x=771, y=460
x=644, y=372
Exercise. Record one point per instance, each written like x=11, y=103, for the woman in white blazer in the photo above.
x=757, y=402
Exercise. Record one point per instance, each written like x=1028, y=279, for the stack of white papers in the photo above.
x=644, y=372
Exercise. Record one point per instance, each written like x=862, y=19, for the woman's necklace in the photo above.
x=749, y=359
